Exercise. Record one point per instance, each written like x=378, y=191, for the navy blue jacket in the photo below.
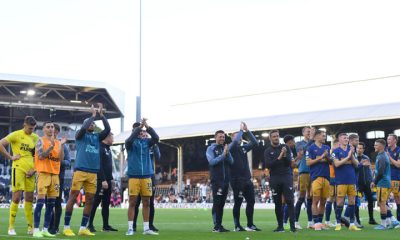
x=219, y=164
x=240, y=167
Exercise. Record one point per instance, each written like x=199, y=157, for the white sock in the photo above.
x=35, y=230
x=383, y=222
x=145, y=226
x=82, y=228
x=393, y=219
x=327, y=222
x=130, y=225
x=45, y=229
x=310, y=223
x=388, y=221
x=66, y=227
x=351, y=224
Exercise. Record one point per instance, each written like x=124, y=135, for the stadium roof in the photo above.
x=62, y=100
x=326, y=117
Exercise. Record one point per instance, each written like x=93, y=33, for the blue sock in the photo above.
x=328, y=210
x=85, y=219
x=38, y=212
x=339, y=210
x=309, y=209
x=347, y=212
x=320, y=217
x=315, y=217
x=351, y=212
x=67, y=218
x=389, y=213
x=49, y=210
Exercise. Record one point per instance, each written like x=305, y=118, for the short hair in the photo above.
x=30, y=120
x=287, y=138
x=47, y=122
x=362, y=144
x=342, y=134
x=394, y=136
x=353, y=136
x=304, y=128
x=381, y=141
x=318, y=132
x=273, y=131
x=218, y=132
x=57, y=127
x=136, y=124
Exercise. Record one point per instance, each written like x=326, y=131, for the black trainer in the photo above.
x=252, y=228
x=91, y=229
x=152, y=227
x=239, y=229
x=372, y=222
x=109, y=229
x=279, y=229
x=293, y=229
x=222, y=229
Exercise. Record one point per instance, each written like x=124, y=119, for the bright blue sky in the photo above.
x=195, y=50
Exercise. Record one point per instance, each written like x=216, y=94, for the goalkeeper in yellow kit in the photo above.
x=23, y=144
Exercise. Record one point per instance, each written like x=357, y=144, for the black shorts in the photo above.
x=282, y=185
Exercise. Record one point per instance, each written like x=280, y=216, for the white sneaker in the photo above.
x=149, y=232
x=330, y=224
x=310, y=225
x=297, y=226
x=12, y=232
x=130, y=232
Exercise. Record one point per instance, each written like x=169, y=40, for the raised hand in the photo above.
x=93, y=111
x=63, y=140
x=243, y=126
x=52, y=140
x=144, y=123
x=101, y=109
x=226, y=149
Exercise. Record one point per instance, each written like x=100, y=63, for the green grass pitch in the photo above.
x=196, y=224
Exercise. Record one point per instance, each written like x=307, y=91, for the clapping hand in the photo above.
x=101, y=109
x=243, y=127
x=93, y=111
x=226, y=149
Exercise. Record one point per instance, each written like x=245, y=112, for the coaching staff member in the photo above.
x=104, y=185
x=219, y=160
x=278, y=159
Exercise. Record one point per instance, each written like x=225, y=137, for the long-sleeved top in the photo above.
x=240, y=167
x=278, y=167
x=364, y=172
x=382, y=170
x=66, y=162
x=140, y=164
x=105, y=172
x=88, y=146
x=219, y=164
